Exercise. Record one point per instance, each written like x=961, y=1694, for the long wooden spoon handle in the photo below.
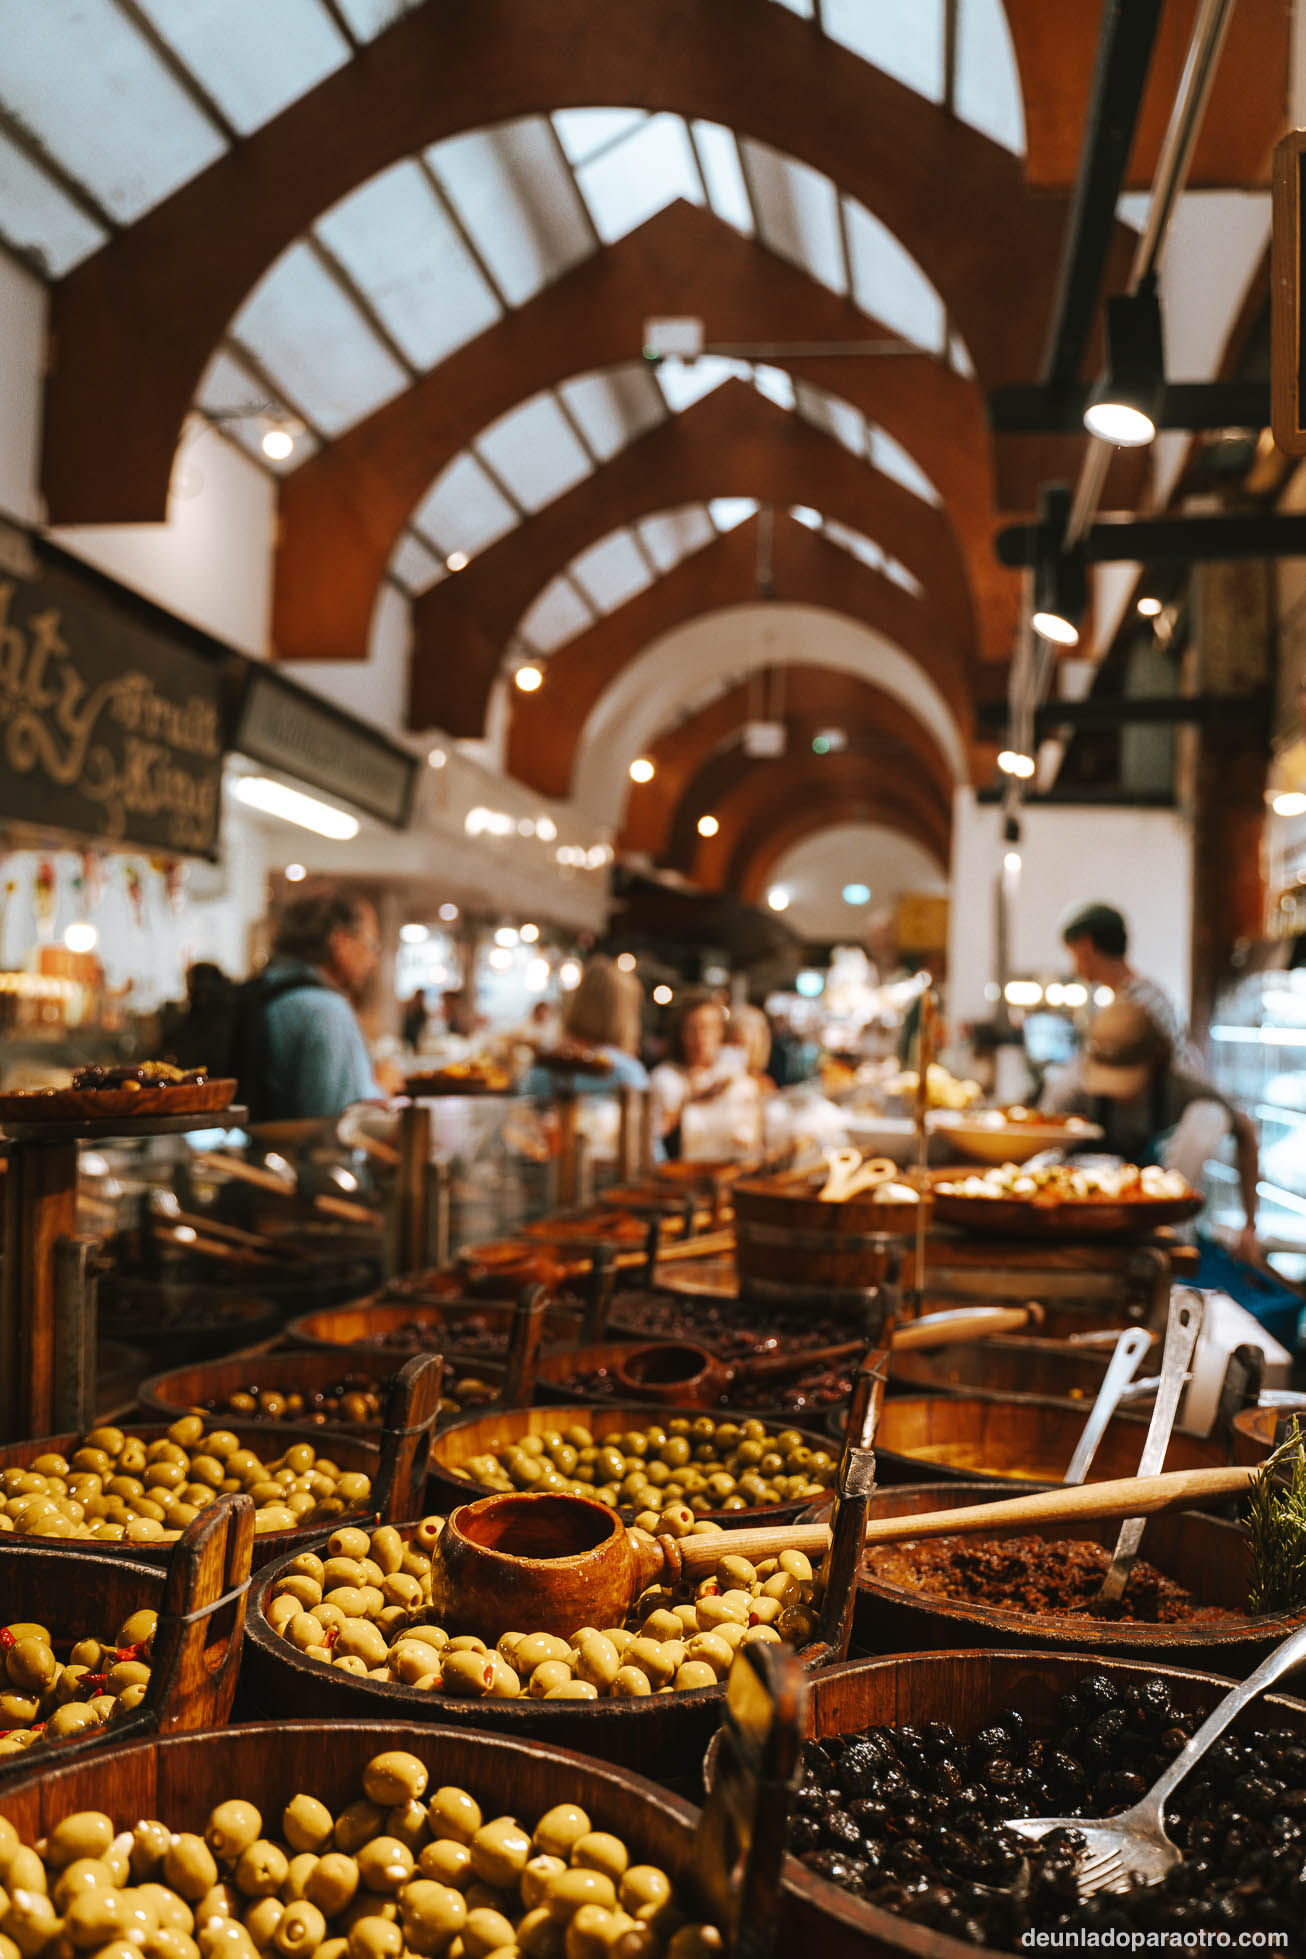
x=976, y=1323
x=1127, y=1496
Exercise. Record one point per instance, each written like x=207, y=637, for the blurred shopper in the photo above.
x=413, y=1025
x=199, y=1033
x=704, y=1104
x=1097, y=939
x=603, y=1013
x=749, y=1031
x=1151, y=1110
x=302, y=1049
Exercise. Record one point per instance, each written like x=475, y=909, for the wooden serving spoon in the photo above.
x=553, y=1562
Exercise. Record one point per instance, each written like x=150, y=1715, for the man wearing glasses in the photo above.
x=303, y=1049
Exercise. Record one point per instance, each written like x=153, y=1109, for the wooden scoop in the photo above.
x=551, y=1563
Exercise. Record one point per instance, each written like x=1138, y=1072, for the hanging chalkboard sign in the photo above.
x=110, y=727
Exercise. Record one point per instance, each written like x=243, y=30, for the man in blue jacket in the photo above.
x=315, y=1061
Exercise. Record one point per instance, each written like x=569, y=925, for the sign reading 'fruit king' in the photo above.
x=108, y=728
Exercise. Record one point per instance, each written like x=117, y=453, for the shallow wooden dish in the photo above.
x=95, y=1104
x=1029, y=1439
x=1205, y=1554
x=662, y=1735
x=1020, y=1217
x=1254, y=1430
x=363, y=1324
x=967, y=1690
x=196, y=1654
x=1009, y=1364
x=473, y=1435
x=185, y=1390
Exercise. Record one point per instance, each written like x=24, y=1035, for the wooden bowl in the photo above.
x=135, y=1100
x=664, y=1735
x=1066, y=1222
x=787, y=1236
x=196, y=1653
x=968, y=1690
x=1010, y=1365
x=1205, y=1554
x=474, y=1435
x=365, y=1323
x=1254, y=1431
x=296, y=1370
x=1028, y=1439
x=185, y=1322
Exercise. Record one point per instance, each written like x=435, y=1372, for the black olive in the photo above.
x=1014, y=1723
x=906, y=1858
x=988, y=1743
x=804, y=1834
x=841, y=1831
x=938, y=1740
x=1095, y=1692
x=870, y=1814
x=1065, y=1769
x=1257, y=1795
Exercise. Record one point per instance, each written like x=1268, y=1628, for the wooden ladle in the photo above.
x=551, y=1563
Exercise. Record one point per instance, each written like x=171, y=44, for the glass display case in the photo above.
x=1258, y=1059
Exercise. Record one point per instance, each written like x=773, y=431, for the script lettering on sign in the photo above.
x=104, y=727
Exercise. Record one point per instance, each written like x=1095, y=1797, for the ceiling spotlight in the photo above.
x=642, y=770
x=528, y=679
x=829, y=741
x=278, y=443
x=296, y=873
x=456, y=561
x=529, y=934
x=1012, y=762
x=708, y=826
x=663, y=996
x=546, y=828
x=414, y=934
x=1126, y=403
x=569, y=975
x=81, y=938
x=626, y=962
x=1289, y=802
x=436, y=758
x=500, y=958
x=778, y=898
x=1150, y=608
x=857, y=894
x=1060, y=584
x=507, y=935
x=447, y=914
x=1011, y=862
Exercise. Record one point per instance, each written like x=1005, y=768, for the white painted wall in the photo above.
x=375, y=689
x=22, y=342
x=816, y=870
x=1138, y=860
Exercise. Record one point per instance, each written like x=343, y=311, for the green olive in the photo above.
x=559, y=1828
x=332, y=1886
x=261, y=1869
x=306, y=1823
x=87, y=1834
x=375, y=1938
x=231, y=1828
x=572, y=1889
x=453, y=1813
x=302, y=1929
x=643, y=1885
x=384, y=1865
x=357, y=1825
x=447, y=1861
x=262, y=1920
x=486, y=1931
x=598, y=1851
x=188, y=1867
x=500, y=1852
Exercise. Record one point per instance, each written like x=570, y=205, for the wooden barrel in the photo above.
x=1008, y=1365
x=464, y=1329
x=294, y=1370
x=396, y=1464
x=1204, y=1554
x=1030, y=1439
x=180, y=1780
x=967, y=1690
x=201, y=1602
x=476, y=1435
x=662, y=1735
x=786, y=1236
x=173, y=1323
x=1255, y=1429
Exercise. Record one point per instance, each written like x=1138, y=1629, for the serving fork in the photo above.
x=1133, y=1847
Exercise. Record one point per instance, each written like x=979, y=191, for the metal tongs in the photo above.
x=1130, y=1348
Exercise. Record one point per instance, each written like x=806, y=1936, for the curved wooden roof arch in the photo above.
x=342, y=511
x=545, y=728
x=760, y=852
x=754, y=800
x=134, y=326
x=732, y=443
x=662, y=810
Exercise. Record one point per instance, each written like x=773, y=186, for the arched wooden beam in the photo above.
x=545, y=727
x=747, y=796
x=343, y=510
x=758, y=855
x=136, y=324
x=732, y=443
x=816, y=697
x=1055, y=49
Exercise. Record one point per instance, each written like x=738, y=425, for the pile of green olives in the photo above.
x=366, y=1608
x=708, y=1464
x=101, y=1680
x=117, y=1486
x=397, y=1872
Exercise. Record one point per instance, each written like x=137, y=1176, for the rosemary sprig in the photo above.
x=1276, y=1527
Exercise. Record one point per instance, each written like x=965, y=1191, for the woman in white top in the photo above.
x=704, y=1103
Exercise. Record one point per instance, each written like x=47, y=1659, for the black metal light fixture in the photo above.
x=1060, y=582
x=1125, y=406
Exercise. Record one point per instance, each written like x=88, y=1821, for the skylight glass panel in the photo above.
x=36, y=217
x=1133, y=206
x=834, y=416
x=803, y=7
x=228, y=385
x=727, y=513
x=987, y=88
x=92, y=90
x=315, y=343
x=584, y=132
x=904, y=37
x=893, y=460
x=533, y=452
x=797, y=215
x=685, y=382
x=368, y=18
x=718, y=156
x=416, y=568
x=774, y=384
x=802, y=513
x=242, y=409
x=674, y=534
x=901, y=576
x=959, y=355
x=463, y=511
x=519, y=202
x=558, y=614
x=612, y=409
x=649, y=170
x=888, y=283
x=852, y=541
x=402, y=251
x=251, y=58
x=611, y=571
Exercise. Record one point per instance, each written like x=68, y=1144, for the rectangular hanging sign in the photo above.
x=111, y=726
x=292, y=730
